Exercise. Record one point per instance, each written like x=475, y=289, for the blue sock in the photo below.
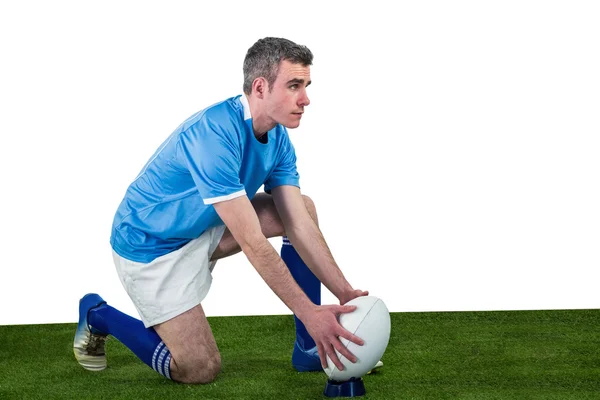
x=308, y=282
x=143, y=342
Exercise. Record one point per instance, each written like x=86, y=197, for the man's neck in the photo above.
x=261, y=123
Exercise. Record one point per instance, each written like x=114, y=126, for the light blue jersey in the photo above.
x=213, y=156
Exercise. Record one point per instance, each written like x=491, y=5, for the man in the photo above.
x=196, y=201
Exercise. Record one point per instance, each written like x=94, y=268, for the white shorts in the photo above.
x=173, y=283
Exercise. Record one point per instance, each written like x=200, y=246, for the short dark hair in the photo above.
x=263, y=58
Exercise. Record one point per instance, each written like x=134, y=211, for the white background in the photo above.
x=452, y=148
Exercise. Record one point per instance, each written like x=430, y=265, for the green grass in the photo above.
x=460, y=355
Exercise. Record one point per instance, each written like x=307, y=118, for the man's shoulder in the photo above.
x=225, y=111
x=228, y=110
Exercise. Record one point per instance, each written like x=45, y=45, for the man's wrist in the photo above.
x=346, y=295
x=303, y=309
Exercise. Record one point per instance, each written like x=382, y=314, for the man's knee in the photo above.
x=312, y=209
x=199, y=371
x=269, y=218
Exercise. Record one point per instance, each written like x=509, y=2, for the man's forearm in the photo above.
x=274, y=272
x=312, y=248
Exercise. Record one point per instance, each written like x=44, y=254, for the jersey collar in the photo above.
x=246, y=106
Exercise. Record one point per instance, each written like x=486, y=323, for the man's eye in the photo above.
x=294, y=87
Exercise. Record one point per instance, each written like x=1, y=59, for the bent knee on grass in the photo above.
x=196, y=370
x=195, y=357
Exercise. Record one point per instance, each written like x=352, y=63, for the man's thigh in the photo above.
x=171, y=284
x=270, y=224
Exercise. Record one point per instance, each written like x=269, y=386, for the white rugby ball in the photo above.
x=370, y=322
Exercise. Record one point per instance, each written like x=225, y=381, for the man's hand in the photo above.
x=346, y=297
x=323, y=325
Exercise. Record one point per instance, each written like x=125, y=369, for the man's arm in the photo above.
x=241, y=220
x=309, y=242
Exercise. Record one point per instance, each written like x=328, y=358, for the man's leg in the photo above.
x=97, y=320
x=305, y=356
x=174, y=337
x=195, y=357
x=309, y=283
x=182, y=349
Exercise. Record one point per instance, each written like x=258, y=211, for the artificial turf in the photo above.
x=446, y=355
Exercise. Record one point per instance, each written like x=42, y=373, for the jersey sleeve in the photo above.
x=214, y=161
x=285, y=172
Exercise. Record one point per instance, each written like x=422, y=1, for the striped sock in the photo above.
x=143, y=342
x=161, y=360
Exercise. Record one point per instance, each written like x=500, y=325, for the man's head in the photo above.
x=277, y=72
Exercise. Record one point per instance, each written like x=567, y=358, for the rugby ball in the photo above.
x=370, y=322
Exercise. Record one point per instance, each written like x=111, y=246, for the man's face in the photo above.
x=287, y=98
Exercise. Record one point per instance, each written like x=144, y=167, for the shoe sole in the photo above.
x=90, y=363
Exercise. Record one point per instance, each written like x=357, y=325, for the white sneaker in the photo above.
x=88, y=344
x=376, y=367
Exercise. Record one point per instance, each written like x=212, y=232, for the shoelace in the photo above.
x=95, y=346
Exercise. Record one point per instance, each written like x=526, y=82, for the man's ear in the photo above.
x=260, y=86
